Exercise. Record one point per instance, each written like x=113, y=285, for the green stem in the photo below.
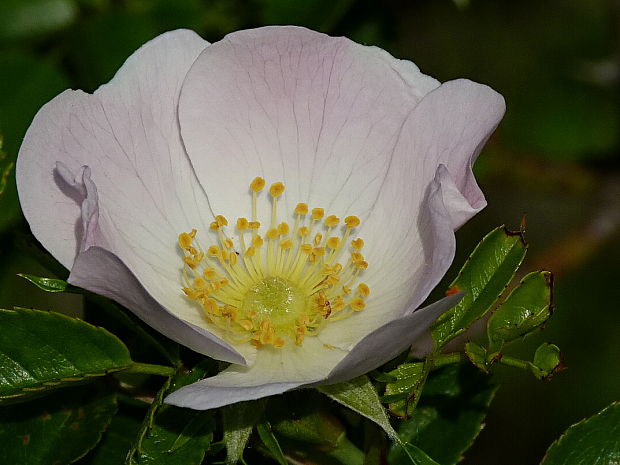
x=150, y=369
x=514, y=362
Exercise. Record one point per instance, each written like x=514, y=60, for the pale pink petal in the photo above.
x=103, y=273
x=389, y=340
x=428, y=192
x=127, y=134
x=321, y=114
x=275, y=371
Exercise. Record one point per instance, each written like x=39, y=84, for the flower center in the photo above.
x=277, y=300
x=280, y=288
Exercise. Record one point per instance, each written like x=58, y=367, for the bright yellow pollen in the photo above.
x=363, y=289
x=317, y=213
x=257, y=185
x=301, y=209
x=357, y=244
x=243, y=224
x=278, y=290
x=185, y=239
x=331, y=221
x=333, y=242
x=276, y=189
x=352, y=221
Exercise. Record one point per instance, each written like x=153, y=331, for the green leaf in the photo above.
x=449, y=415
x=178, y=437
x=270, y=441
x=116, y=312
x=56, y=430
x=172, y=435
x=477, y=355
x=415, y=455
x=310, y=433
x=483, y=278
x=407, y=378
x=40, y=351
x=404, y=392
x=360, y=395
x=116, y=441
x=547, y=361
x=526, y=308
x=593, y=441
x=47, y=284
x=28, y=18
x=301, y=416
x=238, y=420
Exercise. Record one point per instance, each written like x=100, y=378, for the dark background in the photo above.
x=553, y=158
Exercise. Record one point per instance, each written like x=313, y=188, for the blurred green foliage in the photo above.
x=554, y=156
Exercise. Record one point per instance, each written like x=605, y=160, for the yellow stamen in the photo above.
x=352, y=221
x=317, y=213
x=276, y=189
x=243, y=224
x=257, y=184
x=331, y=221
x=357, y=244
x=301, y=209
x=281, y=293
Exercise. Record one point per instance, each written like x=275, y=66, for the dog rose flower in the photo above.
x=281, y=200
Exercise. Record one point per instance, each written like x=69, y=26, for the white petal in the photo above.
x=127, y=134
x=103, y=273
x=321, y=114
x=428, y=192
x=275, y=371
x=389, y=340
x=100, y=271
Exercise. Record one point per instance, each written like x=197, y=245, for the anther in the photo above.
x=333, y=242
x=352, y=221
x=258, y=184
x=301, y=209
x=243, y=224
x=317, y=213
x=363, y=290
x=331, y=221
x=276, y=189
